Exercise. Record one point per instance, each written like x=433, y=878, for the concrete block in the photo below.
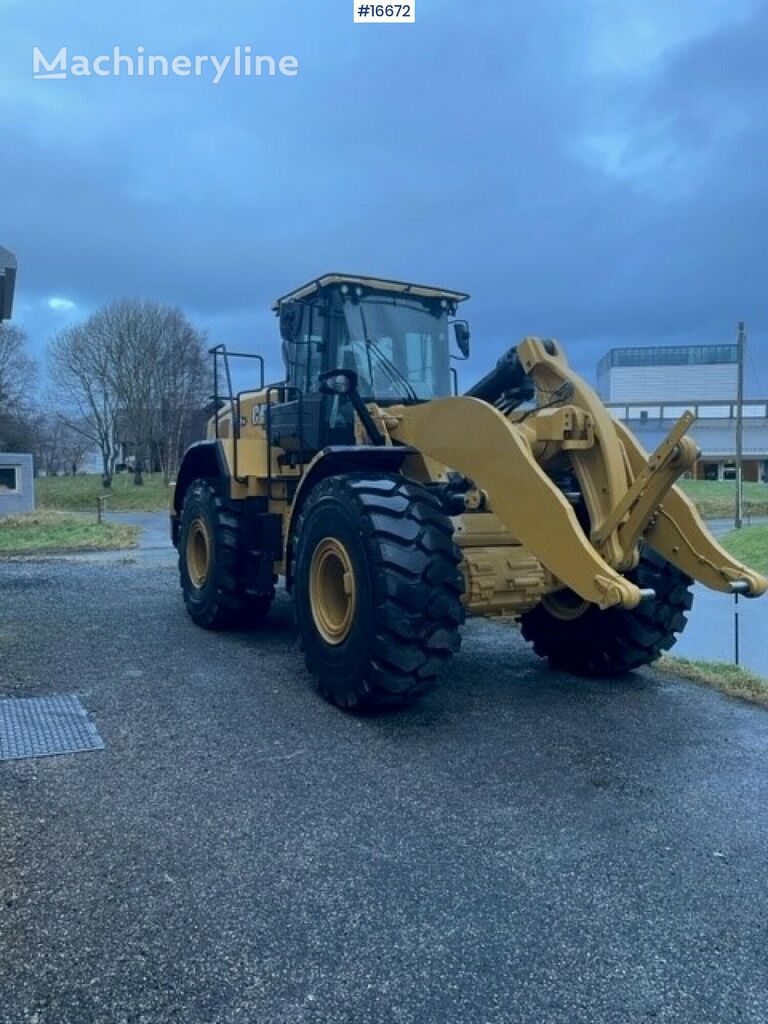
x=17, y=484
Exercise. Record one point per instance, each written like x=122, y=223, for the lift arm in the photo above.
x=471, y=436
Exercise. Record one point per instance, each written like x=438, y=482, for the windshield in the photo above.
x=398, y=347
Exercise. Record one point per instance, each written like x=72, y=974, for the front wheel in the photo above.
x=578, y=637
x=377, y=589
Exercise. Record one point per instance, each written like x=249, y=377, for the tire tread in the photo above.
x=231, y=605
x=416, y=583
x=602, y=643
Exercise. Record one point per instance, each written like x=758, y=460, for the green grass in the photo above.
x=716, y=499
x=749, y=545
x=730, y=679
x=47, y=532
x=79, y=493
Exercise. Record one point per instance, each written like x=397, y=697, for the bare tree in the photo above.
x=84, y=377
x=136, y=373
x=183, y=383
x=58, y=447
x=17, y=380
x=160, y=376
x=17, y=369
x=74, y=447
x=129, y=330
x=47, y=446
x=17, y=432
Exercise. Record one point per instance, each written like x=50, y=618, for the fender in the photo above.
x=204, y=459
x=341, y=459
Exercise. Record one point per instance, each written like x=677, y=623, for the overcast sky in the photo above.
x=592, y=170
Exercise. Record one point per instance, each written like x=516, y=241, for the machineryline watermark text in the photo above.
x=242, y=62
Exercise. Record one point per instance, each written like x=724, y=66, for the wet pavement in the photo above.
x=711, y=630
x=719, y=527
x=709, y=634
x=522, y=846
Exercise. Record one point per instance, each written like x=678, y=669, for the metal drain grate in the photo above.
x=39, y=726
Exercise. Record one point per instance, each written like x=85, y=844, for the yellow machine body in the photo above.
x=522, y=539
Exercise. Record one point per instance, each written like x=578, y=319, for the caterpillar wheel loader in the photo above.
x=393, y=507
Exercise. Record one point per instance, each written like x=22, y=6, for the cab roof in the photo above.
x=377, y=283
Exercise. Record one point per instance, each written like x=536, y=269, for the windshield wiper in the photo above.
x=396, y=375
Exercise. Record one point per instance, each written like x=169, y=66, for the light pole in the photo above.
x=741, y=342
x=737, y=522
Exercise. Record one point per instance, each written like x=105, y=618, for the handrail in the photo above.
x=221, y=351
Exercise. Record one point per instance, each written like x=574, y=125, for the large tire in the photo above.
x=212, y=561
x=584, y=640
x=377, y=590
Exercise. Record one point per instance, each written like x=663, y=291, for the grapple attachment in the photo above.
x=628, y=497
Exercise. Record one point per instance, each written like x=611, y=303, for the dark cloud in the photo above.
x=483, y=148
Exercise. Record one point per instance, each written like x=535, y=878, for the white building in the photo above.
x=649, y=389
x=669, y=373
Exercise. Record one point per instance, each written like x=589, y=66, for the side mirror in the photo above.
x=338, y=382
x=461, y=333
x=290, y=320
x=344, y=383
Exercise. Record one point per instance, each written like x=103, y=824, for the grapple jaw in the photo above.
x=639, y=502
x=677, y=532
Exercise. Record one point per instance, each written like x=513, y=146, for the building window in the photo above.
x=754, y=411
x=674, y=412
x=9, y=478
x=671, y=355
x=644, y=412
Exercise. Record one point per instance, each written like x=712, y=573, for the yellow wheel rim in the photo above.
x=198, y=553
x=332, y=590
x=565, y=605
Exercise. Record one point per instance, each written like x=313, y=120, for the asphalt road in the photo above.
x=523, y=846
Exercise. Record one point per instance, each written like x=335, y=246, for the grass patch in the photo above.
x=730, y=679
x=79, y=493
x=749, y=545
x=716, y=499
x=47, y=532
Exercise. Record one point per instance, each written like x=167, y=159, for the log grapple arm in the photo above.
x=630, y=497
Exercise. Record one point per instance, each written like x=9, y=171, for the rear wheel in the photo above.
x=212, y=561
x=377, y=589
x=575, y=636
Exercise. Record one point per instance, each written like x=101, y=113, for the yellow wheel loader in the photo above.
x=393, y=507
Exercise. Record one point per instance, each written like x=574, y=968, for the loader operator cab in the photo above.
x=395, y=337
